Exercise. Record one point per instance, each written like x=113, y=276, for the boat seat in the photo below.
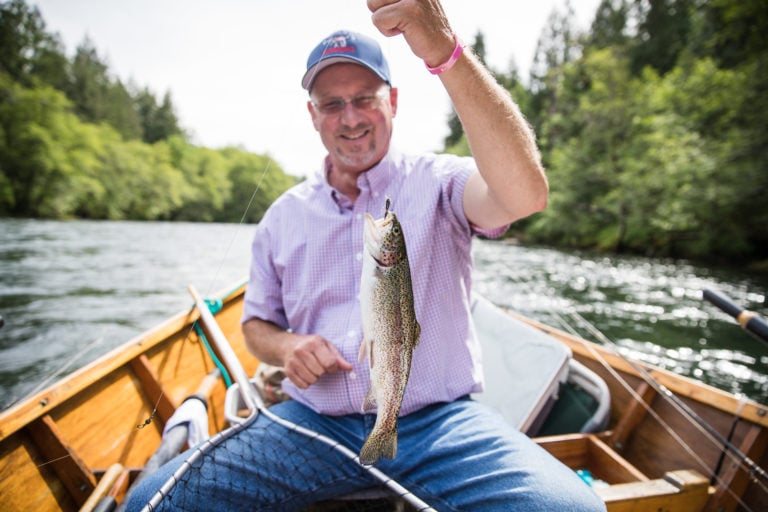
x=523, y=366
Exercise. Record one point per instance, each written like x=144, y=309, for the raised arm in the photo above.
x=511, y=183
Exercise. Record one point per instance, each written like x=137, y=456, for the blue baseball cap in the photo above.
x=346, y=46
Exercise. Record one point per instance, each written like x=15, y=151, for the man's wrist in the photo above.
x=448, y=64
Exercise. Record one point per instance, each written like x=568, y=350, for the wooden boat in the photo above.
x=90, y=435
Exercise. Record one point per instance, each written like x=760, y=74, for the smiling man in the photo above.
x=302, y=311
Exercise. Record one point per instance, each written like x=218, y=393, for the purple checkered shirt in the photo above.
x=307, y=262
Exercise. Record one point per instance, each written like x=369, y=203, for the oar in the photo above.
x=174, y=440
x=749, y=320
x=227, y=354
x=109, y=478
x=254, y=403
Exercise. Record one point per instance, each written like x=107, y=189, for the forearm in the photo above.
x=513, y=182
x=268, y=342
x=304, y=357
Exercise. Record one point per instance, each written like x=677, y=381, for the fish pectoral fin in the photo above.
x=365, y=351
x=369, y=403
x=417, y=334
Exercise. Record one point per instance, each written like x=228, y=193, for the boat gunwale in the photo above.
x=43, y=402
x=681, y=385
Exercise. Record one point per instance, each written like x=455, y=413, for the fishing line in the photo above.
x=242, y=221
x=152, y=414
x=75, y=357
x=737, y=456
x=697, y=421
x=211, y=354
x=378, y=475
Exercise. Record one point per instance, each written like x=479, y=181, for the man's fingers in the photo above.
x=423, y=23
x=311, y=359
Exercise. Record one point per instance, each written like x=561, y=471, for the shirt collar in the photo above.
x=378, y=177
x=375, y=179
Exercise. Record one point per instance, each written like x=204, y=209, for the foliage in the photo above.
x=75, y=142
x=651, y=126
x=652, y=129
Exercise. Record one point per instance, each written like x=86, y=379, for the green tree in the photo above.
x=609, y=27
x=662, y=33
x=27, y=52
x=158, y=120
x=97, y=97
x=33, y=126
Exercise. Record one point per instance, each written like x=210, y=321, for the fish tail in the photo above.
x=379, y=444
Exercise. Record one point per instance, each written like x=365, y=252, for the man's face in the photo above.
x=352, y=109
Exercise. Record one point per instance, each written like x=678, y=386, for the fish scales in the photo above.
x=390, y=329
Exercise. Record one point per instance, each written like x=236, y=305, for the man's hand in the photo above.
x=511, y=183
x=310, y=357
x=303, y=357
x=423, y=24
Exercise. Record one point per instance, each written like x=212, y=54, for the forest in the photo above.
x=652, y=128
x=75, y=142
x=651, y=124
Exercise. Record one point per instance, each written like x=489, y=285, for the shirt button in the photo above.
x=351, y=333
x=359, y=256
x=359, y=216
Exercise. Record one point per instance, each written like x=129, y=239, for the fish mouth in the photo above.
x=374, y=234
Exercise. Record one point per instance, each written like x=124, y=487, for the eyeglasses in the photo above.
x=363, y=102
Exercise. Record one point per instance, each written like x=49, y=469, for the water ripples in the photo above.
x=81, y=288
x=652, y=310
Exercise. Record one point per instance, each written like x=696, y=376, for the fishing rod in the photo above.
x=753, y=467
x=749, y=320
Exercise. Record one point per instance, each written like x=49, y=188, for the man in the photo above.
x=302, y=312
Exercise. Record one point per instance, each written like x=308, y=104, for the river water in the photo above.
x=71, y=291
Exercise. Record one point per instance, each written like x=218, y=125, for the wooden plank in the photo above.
x=608, y=465
x=734, y=477
x=587, y=451
x=634, y=414
x=48, y=399
x=570, y=449
x=69, y=468
x=678, y=491
x=161, y=406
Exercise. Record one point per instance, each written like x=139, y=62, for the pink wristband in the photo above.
x=445, y=66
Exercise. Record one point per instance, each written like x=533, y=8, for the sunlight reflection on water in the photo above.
x=75, y=290
x=651, y=309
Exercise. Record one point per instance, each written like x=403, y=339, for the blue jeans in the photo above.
x=456, y=456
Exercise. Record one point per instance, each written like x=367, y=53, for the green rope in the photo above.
x=216, y=361
x=214, y=305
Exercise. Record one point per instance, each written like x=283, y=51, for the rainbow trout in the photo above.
x=390, y=329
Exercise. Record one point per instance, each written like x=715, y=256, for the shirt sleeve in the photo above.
x=459, y=171
x=263, y=297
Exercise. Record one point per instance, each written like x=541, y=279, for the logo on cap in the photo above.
x=338, y=44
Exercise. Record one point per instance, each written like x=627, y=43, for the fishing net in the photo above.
x=270, y=463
